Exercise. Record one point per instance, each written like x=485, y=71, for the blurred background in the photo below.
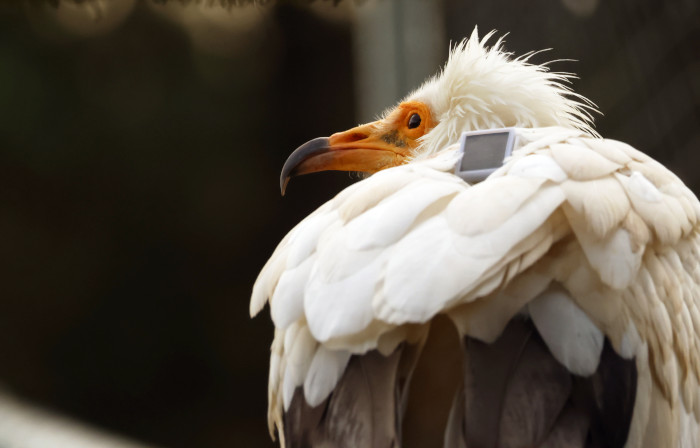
x=140, y=148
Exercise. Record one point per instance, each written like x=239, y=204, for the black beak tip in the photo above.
x=309, y=149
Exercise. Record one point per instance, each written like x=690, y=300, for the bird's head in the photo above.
x=480, y=87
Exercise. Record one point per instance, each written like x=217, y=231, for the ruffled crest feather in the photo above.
x=484, y=87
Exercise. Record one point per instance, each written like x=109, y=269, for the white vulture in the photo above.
x=554, y=304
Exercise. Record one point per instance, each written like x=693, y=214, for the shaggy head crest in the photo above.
x=483, y=87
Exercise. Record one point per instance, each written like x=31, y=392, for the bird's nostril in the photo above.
x=348, y=137
x=355, y=136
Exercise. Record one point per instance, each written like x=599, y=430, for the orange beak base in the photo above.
x=338, y=154
x=368, y=148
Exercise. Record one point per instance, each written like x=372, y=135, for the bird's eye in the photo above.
x=414, y=121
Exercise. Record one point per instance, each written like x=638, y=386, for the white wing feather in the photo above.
x=324, y=372
x=573, y=339
x=614, y=227
x=288, y=298
x=384, y=225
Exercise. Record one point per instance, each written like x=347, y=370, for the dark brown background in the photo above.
x=139, y=189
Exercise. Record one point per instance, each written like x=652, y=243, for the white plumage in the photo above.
x=570, y=335
x=589, y=238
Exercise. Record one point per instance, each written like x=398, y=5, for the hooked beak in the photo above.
x=365, y=148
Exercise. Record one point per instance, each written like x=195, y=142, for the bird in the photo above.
x=556, y=303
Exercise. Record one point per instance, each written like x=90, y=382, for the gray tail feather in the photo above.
x=467, y=394
x=514, y=390
x=364, y=410
x=515, y=394
x=436, y=380
x=454, y=430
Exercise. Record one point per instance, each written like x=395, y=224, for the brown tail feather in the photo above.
x=569, y=431
x=514, y=389
x=608, y=398
x=436, y=380
x=301, y=421
x=468, y=394
x=516, y=395
x=364, y=409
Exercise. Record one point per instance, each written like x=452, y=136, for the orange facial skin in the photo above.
x=367, y=148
